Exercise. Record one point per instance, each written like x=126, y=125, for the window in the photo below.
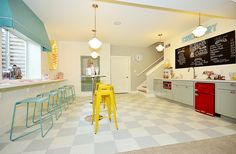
x=21, y=52
x=13, y=52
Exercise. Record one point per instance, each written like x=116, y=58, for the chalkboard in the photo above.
x=218, y=50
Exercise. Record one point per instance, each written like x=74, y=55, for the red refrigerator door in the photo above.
x=208, y=88
x=204, y=103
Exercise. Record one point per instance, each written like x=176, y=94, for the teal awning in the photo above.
x=17, y=15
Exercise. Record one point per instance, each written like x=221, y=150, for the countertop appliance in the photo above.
x=167, y=85
x=205, y=98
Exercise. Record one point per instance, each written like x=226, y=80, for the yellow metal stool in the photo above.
x=105, y=92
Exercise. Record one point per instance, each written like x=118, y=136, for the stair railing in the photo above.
x=151, y=65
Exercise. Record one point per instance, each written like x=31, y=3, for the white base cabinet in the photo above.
x=226, y=99
x=183, y=92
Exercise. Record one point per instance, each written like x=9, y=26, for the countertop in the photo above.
x=199, y=80
x=7, y=84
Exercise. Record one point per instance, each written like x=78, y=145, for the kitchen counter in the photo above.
x=199, y=80
x=9, y=84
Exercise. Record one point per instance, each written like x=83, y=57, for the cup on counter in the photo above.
x=232, y=75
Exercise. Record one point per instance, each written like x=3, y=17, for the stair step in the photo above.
x=142, y=90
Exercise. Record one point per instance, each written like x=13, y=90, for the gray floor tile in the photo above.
x=121, y=134
x=37, y=145
x=67, y=132
x=211, y=132
x=105, y=127
x=182, y=127
x=59, y=151
x=84, y=139
x=181, y=137
x=105, y=148
x=146, y=141
x=132, y=124
x=154, y=130
x=3, y=145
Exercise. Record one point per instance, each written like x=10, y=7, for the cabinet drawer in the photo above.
x=184, y=83
x=229, y=86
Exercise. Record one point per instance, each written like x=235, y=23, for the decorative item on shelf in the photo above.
x=95, y=43
x=45, y=77
x=210, y=74
x=160, y=47
x=167, y=64
x=168, y=73
x=15, y=72
x=232, y=75
x=52, y=56
x=200, y=30
x=59, y=75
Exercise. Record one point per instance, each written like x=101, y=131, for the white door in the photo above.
x=120, y=73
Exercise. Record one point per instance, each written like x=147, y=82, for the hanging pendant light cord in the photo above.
x=199, y=19
x=95, y=6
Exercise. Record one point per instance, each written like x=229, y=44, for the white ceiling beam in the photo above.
x=220, y=8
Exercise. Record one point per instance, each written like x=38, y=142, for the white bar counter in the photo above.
x=12, y=91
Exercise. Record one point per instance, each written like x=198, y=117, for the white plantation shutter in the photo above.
x=13, y=52
x=4, y=50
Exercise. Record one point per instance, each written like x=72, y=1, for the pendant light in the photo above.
x=95, y=43
x=160, y=47
x=200, y=30
x=94, y=54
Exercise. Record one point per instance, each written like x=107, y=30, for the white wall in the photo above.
x=69, y=63
x=223, y=26
x=149, y=56
x=34, y=61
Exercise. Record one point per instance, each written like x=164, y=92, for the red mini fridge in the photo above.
x=205, y=98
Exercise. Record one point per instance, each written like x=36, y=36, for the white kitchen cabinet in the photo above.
x=183, y=92
x=167, y=93
x=225, y=103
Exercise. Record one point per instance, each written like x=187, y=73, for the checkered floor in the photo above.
x=143, y=122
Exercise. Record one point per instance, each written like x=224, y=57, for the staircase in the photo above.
x=143, y=87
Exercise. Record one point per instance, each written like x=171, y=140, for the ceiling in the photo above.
x=141, y=20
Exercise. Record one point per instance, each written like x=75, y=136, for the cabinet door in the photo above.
x=187, y=95
x=227, y=102
x=166, y=93
x=177, y=93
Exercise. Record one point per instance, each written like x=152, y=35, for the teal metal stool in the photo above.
x=35, y=105
x=70, y=93
x=62, y=97
x=55, y=104
x=42, y=118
